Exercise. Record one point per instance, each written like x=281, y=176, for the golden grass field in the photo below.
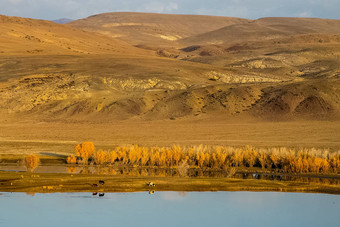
x=61, y=138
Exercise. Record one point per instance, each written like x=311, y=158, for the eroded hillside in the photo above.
x=51, y=72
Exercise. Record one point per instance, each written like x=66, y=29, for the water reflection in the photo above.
x=102, y=194
x=166, y=172
x=304, y=179
x=71, y=169
x=173, y=172
x=173, y=196
x=30, y=193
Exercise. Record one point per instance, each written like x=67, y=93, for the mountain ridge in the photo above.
x=62, y=20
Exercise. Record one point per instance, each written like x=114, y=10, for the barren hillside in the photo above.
x=23, y=36
x=265, y=29
x=153, y=29
x=52, y=72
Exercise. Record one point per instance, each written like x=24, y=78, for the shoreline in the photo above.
x=55, y=183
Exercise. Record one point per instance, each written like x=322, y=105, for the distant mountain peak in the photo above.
x=62, y=21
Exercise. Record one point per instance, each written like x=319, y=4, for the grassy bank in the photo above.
x=49, y=183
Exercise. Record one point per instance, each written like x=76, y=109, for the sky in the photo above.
x=252, y=9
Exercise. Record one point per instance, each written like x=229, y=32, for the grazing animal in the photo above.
x=256, y=175
x=151, y=184
x=101, y=194
x=151, y=192
x=94, y=185
x=94, y=193
x=101, y=182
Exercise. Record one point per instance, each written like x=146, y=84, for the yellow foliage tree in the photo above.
x=317, y=164
x=275, y=157
x=100, y=157
x=122, y=156
x=325, y=166
x=134, y=155
x=85, y=150
x=191, y=156
x=71, y=159
x=200, y=157
x=263, y=159
x=152, y=160
x=305, y=165
x=282, y=159
x=162, y=159
x=31, y=162
x=238, y=158
x=176, y=154
x=112, y=156
x=144, y=156
x=206, y=159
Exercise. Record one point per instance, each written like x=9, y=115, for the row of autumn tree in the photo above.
x=214, y=157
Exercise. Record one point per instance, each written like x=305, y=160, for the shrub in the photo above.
x=112, y=157
x=100, y=157
x=31, y=162
x=71, y=159
x=85, y=150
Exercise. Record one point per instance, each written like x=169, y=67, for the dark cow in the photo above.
x=101, y=182
x=101, y=194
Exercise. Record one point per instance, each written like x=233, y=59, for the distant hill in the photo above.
x=151, y=28
x=62, y=21
x=265, y=29
x=30, y=36
x=164, y=30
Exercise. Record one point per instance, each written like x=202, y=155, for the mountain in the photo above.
x=62, y=21
x=36, y=37
x=150, y=28
x=165, y=30
x=265, y=29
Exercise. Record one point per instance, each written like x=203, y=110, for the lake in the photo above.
x=169, y=209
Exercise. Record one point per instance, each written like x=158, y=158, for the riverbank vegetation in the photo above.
x=282, y=159
x=31, y=162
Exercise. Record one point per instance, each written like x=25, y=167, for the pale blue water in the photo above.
x=170, y=209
